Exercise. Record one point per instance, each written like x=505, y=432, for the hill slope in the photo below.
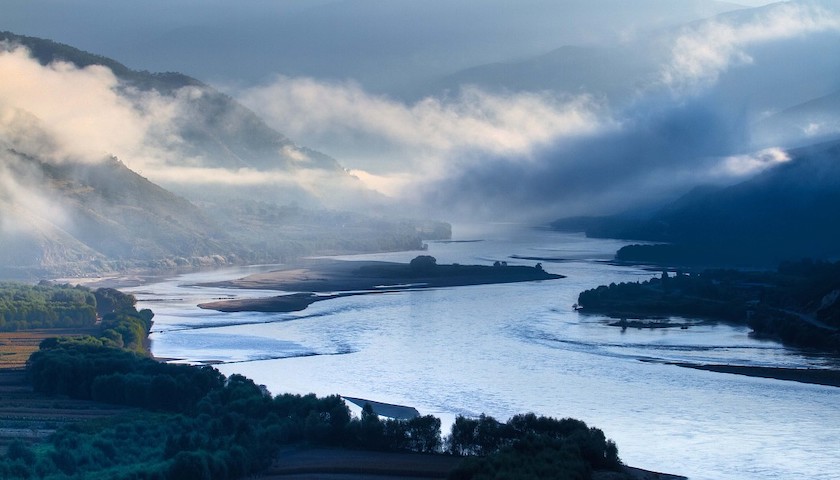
x=207, y=130
x=787, y=212
x=69, y=206
x=72, y=219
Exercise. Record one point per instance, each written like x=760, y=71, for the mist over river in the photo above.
x=515, y=348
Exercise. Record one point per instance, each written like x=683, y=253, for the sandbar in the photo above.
x=324, y=279
x=816, y=376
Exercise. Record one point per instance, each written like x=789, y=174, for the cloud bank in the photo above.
x=82, y=111
x=700, y=54
x=538, y=155
x=59, y=113
x=379, y=134
x=509, y=155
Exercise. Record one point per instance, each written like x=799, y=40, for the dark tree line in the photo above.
x=530, y=447
x=798, y=304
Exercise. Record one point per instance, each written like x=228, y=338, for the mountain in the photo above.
x=232, y=189
x=214, y=131
x=626, y=69
x=788, y=212
x=388, y=46
x=615, y=71
x=72, y=219
x=817, y=119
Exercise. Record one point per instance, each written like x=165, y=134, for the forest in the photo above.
x=797, y=303
x=25, y=306
x=192, y=422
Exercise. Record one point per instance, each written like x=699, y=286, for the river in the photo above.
x=515, y=348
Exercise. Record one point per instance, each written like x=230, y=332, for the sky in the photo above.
x=573, y=107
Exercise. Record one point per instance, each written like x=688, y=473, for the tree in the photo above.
x=424, y=434
x=423, y=263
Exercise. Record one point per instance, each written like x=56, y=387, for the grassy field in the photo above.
x=15, y=347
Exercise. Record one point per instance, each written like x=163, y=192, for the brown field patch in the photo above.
x=16, y=347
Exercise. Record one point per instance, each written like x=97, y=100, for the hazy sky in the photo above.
x=386, y=45
x=646, y=99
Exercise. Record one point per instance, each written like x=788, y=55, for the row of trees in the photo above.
x=530, y=446
x=44, y=305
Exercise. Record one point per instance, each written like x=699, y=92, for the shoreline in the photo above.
x=293, y=302
x=814, y=376
x=324, y=279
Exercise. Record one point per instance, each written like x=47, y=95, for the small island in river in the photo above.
x=323, y=279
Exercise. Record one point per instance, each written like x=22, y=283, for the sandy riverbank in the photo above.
x=322, y=279
x=817, y=376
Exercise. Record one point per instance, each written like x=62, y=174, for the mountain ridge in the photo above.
x=62, y=215
x=787, y=212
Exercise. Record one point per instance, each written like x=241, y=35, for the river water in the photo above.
x=515, y=348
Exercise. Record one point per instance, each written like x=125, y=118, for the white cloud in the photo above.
x=700, y=54
x=393, y=185
x=817, y=128
x=81, y=110
x=386, y=141
x=750, y=164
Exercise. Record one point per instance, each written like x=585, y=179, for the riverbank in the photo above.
x=294, y=302
x=324, y=279
x=814, y=376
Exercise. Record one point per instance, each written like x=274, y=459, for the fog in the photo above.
x=708, y=102
x=534, y=155
x=388, y=45
x=60, y=113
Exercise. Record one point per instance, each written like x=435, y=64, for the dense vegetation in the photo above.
x=193, y=422
x=45, y=306
x=207, y=426
x=799, y=303
x=530, y=447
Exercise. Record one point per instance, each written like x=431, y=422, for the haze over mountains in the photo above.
x=462, y=109
x=69, y=205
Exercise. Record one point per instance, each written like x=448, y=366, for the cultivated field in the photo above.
x=30, y=416
x=15, y=347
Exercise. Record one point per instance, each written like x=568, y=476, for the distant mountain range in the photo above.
x=616, y=72
x=803, y=123
x=788, y=212
x=624, y=71
x=65, y=216
x=388, y=46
